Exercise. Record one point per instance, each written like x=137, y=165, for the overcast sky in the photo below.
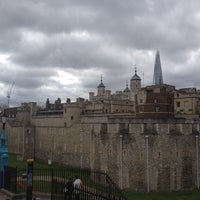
x=60, y=48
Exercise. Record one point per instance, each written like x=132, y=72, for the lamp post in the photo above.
x=4, y=118
x=147, y=162
x=121, y=161
x=3, y=150
x=29, y=186
x=81, y=148
x=197, y=160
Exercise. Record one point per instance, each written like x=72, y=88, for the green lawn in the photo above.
x=191, y=195
x=13, y=162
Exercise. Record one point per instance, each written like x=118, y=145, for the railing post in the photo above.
x=197, y=160
x=29, y=188
x=147, y=162
x=52, y=184
x=16, y=179
x=121, y=162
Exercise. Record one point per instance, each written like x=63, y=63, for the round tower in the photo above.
x=135, y=83
x=126, y=90
x=101, y=88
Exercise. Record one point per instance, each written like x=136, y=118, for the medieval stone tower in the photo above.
x=135, y=85
x=101, y=88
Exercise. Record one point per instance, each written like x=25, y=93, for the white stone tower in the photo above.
x=135, y=83
x=101, y=88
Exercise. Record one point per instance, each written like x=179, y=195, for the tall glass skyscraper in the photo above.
x=157, y=76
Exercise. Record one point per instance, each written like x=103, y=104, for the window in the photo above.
x=159, y=154
x=178, y=104
x=157, y=109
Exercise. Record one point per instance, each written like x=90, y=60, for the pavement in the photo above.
x=6, y=195
x=3, y=196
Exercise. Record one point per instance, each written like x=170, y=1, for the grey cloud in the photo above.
x=68, y=52
x=38, y=36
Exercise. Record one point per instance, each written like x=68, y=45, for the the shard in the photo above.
x=157, y=76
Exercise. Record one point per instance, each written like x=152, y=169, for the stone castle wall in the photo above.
x=21, y=140
x=139, y=154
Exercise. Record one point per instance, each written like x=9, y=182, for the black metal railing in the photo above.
x=97, y=184
x=10, y=177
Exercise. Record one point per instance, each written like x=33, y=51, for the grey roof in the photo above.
x=101, y=84
x=135, y=77
x=127, y=89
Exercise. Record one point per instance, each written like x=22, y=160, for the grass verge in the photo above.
x=190, y=195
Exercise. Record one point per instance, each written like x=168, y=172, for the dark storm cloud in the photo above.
x=45, y=38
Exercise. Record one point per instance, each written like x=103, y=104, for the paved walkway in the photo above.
x=3, y=196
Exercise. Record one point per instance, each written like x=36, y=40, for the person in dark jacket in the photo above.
x=68, y=190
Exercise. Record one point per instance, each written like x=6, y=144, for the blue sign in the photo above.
x=29, y=179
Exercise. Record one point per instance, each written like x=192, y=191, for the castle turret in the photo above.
x=91, y=96
x=101, y=88
x=135, y=83
x=126, y=90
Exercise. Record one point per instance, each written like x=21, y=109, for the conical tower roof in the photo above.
x=135, y=77
x=127, y=89
x=101, y=84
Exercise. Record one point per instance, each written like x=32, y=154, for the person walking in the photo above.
x=68, y=190
x=78, y=185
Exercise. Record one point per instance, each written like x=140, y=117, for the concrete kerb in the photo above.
x=13, y=196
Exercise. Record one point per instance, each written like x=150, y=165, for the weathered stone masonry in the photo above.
x=140, y=154
x=113, y=132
